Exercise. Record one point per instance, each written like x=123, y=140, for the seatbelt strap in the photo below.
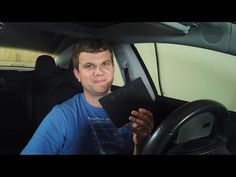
x=125, y=69
x=126, y=72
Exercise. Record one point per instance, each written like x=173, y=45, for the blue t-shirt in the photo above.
x=77, y=127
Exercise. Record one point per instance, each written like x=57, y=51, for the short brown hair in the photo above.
x=90, y=44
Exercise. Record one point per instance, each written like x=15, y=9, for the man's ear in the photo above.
x=76, y=73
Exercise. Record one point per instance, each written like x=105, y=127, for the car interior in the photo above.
x=200, y=127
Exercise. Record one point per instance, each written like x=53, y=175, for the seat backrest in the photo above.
x=45, y=78
x=52, y=86
x=45, y=66
x=13, y=122
x=67, y=89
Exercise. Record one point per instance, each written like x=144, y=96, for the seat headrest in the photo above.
x=45, y=66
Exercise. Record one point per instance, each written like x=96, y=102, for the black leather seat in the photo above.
x=45, y=66
x=13, y=122
x=44, y=80
x=52, y=86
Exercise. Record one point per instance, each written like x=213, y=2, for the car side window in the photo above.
x=191, y=73
x=23, y=59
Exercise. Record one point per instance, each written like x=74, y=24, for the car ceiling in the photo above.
x=55, y=36
x=115, y=31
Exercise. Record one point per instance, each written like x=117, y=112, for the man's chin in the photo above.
x=101, y=92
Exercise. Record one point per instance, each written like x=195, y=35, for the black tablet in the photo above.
x=119, y=103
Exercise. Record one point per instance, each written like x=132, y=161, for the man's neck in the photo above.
x=93, y=99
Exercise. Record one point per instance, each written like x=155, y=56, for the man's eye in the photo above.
x=107, y=63
x=89, y=66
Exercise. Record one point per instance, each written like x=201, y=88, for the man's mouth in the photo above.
x=99, y=81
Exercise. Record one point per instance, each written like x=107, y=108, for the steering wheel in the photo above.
x=158, y=142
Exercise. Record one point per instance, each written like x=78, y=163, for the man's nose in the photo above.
x=99, y=70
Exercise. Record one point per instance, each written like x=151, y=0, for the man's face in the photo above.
x=95, y=72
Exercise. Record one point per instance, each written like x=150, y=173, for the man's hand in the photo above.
x=142, y=126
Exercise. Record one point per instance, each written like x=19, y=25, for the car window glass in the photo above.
x=19, y=58
x=191, y=73
x=118, y=80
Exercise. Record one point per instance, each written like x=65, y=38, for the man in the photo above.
x=80, y=125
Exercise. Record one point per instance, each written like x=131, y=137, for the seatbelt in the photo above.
x=126, y=72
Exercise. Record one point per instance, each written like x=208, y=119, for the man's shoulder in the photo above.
x=72, y=101
x=70, y=104
x=68, y=107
